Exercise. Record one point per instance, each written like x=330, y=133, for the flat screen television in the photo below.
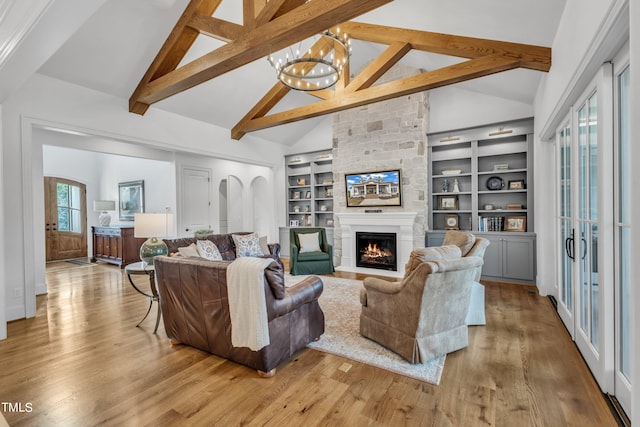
x=380, y=188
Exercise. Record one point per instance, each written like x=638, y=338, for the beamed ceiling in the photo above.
x=268, y=26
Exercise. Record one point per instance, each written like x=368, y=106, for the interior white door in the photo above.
x=235, y=214
x=196, y=200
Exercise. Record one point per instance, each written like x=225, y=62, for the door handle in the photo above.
x=569, y=246
x=584, y=245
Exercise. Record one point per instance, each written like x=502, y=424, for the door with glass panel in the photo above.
x=565, y=228
x=65, y=219
x=622, y=245
x=584, y=215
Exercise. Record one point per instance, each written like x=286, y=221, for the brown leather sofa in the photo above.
x=195, y=310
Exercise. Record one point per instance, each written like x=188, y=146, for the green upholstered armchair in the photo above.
x=310, y=253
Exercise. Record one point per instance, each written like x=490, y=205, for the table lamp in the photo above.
x=153, y=226
x=103, y=206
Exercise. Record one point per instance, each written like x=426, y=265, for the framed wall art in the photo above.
x=515, y=223
x=131, y=196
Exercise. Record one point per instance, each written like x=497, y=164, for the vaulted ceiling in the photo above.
x=115, y=47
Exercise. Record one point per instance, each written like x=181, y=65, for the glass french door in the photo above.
x=585, y=203
x=593, y=225
x=622, y=239
x=565, y=225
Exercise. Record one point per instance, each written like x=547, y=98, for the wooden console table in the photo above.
x=115, y=245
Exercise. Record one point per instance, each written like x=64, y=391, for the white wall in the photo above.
x=46, y=102
x=453, y=108
x=587, y=37
x=246, y=174
x=3, y=292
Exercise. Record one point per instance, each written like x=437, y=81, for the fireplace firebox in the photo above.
x=376, y=250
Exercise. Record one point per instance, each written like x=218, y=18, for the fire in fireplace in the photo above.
x=376, y=250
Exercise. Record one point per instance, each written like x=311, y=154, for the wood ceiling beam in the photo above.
x=300, y=23
x=216, y=28
x=173, y=50
x=530, y=56
x=429, y=80
x=379, y=66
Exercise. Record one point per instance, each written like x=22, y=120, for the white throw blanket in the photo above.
x=247, y=302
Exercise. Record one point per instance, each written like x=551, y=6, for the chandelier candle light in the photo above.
x=319, y=68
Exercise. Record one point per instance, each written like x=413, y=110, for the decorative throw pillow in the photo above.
x=264, y=247
x=309, y=242
x=461, y=239
x=189, y=251
x=207, y=249
x=247, y=245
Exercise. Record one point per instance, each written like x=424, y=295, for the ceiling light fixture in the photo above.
x=319, y=68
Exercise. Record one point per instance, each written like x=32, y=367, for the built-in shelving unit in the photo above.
x=470, y=161
x=309, y=189
x=491, y=167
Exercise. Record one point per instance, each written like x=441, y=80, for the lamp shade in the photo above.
x=104, y=205
x=152, y=225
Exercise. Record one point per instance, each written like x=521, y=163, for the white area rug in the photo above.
x=340, y=302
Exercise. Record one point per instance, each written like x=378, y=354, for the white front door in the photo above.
x=196, y=200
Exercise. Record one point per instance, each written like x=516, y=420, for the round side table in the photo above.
x=138, y=268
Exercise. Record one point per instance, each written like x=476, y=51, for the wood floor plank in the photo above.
x=82, y=362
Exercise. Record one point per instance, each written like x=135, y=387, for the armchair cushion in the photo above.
x=313, y=256
x=309, y=242
x=461, y=239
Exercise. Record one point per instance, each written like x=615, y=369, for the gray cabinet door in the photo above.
x=518, y=258
x=493, y=257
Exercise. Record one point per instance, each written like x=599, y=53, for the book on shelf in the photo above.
x=490, y=223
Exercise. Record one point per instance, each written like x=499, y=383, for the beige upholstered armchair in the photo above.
x=423, y=316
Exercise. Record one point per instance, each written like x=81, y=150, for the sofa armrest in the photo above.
x=274, y=248
x=306, y=291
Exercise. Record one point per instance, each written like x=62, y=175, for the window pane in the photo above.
x=593, y=158
x=624, y=261
x=75, y=197
x=63, y=194
x=63, y=219
x=625, y=156
x=76, y=225
x=625, y=297
x=582, y=166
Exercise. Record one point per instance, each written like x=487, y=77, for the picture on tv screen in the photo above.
x=373, y=189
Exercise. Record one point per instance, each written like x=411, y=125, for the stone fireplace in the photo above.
x=400, y=224
x=386, y=135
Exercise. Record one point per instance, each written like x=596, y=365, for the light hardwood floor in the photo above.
x=82, y=362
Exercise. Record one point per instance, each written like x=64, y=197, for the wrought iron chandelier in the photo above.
x=320, y=65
